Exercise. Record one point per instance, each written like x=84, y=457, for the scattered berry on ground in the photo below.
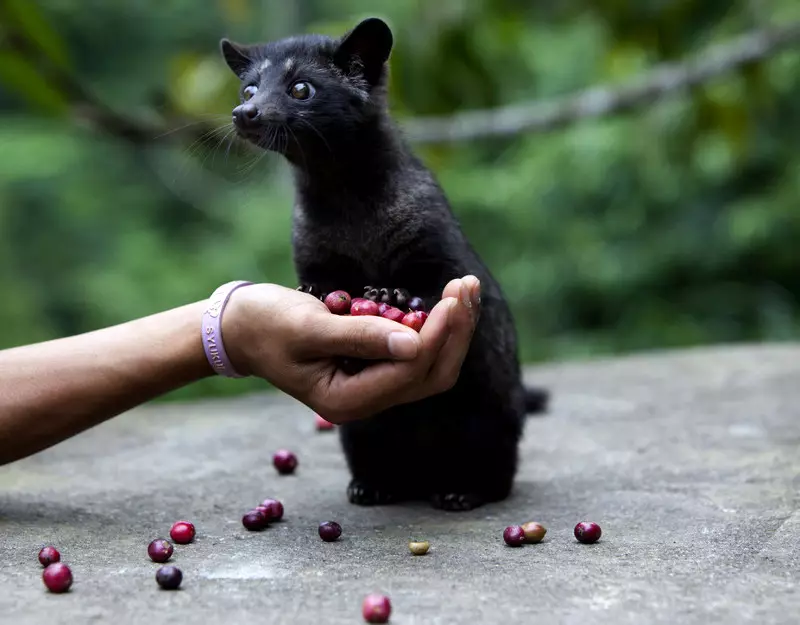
x=284, y=461
x=255, y=520
x=534, y=532
x=169, y=577
x=376, y=609
x=57, y=577
x=49, y=555
x=274, y=509
x=588, y=532
x=160, y=550
x=419, y=548
x=182, y=532
x=514, y=535
x=329, y=531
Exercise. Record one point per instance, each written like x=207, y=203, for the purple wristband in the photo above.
x=212, y=329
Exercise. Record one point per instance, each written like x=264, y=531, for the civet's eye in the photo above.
x=249, y=91
x=301, y=90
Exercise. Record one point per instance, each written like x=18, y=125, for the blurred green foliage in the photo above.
x=668, y=226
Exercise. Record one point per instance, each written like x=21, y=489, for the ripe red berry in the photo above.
x=363, y=307
x=159, y=550
x=323, y=424
x=415, y=319
x=329, y=531
x=169, y=577
x=49, y=555
x=338, y=302
x=376, y=609
x=274, y=509
x=416, y=303
x=588, y=532
x=57, y=577
x=395, y=314
x=383, y=307
x=255, y=520
x=284, y=461
x=182, y=532
x=514, y=535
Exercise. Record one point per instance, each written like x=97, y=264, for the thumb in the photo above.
x=368, y=337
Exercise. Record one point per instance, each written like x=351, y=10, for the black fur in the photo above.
x=368, y=213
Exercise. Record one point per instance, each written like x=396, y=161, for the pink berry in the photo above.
x=182, y=532
x=57, y=577
x=416, y=303
x=322, y=423
x=395, y=314
x=514, y=535
x=49, y=555
x=329, y=531
x=284, y=461
x=415, y=319
x=169, y=577
x=274, y=509
x=159, y=550
x=383, y=307
x=362, y=307
x=588, y=532
x=338, y=302
x=255, y=520
x=376, y=609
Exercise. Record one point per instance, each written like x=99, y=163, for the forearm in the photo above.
x=53, y=390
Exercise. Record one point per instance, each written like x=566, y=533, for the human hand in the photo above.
x=292, y=340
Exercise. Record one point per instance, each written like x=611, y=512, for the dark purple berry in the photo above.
x=376, y=609
x=169, y=577
x=274, y=509
x=57, y=577
x=417, y=304
x=255, y=520
x=284, y=461
x=514, y=535
x=338, y=302
x=588, y=532
x=329, y=531
x=49, y=555
x=159, y=550
x=182, y=532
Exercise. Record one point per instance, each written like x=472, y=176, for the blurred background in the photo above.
x=657, y=209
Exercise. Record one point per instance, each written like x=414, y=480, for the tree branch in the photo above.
x=663, y=80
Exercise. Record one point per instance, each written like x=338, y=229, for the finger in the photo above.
x=445, y=371
x=368, y=337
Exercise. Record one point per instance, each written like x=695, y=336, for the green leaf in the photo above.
x=35, y=27
x=20, y=76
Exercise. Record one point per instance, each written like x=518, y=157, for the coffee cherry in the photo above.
x=419, y=548
x=534, y=532
x=395, y=314
x=169, y=577
x=338, y=302
x=159, y=550
x=49, y=555
x=274, y=509
x=514, y=536
x=376, y=609
x=415, y=320
x=588, y=532
x=57, y=577
x=329, y=531
x=255, y=520
x=416, y=304
x=182, y=532
x=285, y=461
x=361, y=307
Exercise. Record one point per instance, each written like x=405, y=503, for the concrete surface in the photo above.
x=689, y=461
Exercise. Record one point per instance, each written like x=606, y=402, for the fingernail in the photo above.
x=402, y=346
x=466, y=298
